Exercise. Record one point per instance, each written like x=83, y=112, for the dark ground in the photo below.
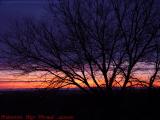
x=131, y=105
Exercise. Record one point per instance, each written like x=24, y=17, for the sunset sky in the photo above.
x=19, y=9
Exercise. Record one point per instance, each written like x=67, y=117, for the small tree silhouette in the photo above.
x=86, y=43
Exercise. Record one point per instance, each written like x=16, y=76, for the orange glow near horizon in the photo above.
x=9, y=80
x=21, y=85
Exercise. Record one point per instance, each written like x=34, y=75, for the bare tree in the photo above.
x=86, y=43
x=139, y=27
x=156, y=61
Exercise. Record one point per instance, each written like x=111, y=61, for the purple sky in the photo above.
x=17, y=9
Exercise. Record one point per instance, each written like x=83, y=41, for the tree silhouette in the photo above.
x=139, y=25
x=156, y=62
x=87, y=43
